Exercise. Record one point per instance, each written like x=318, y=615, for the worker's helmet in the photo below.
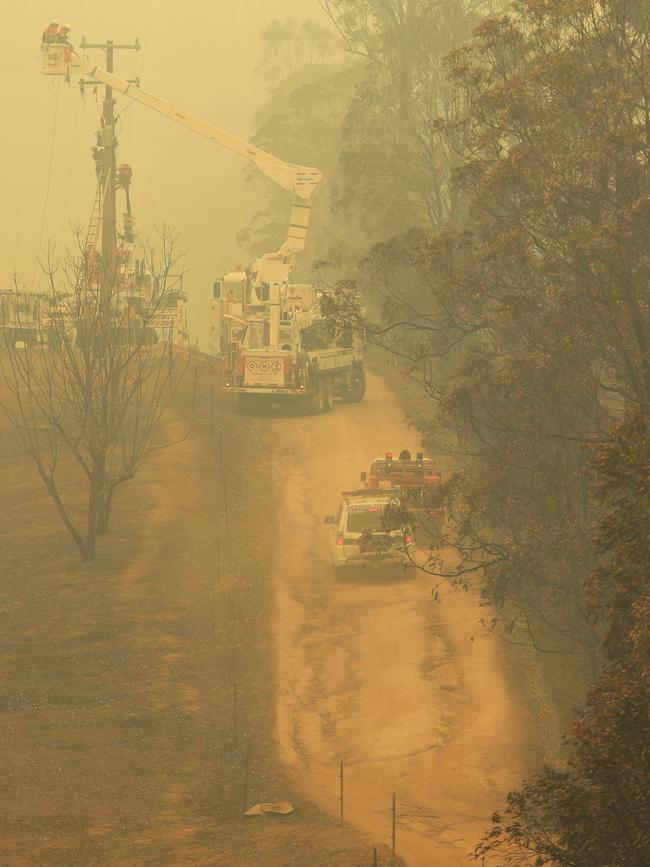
x=54, y=23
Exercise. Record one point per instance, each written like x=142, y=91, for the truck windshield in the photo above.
x=364, y=519
x=256, y=335
x=401, y=470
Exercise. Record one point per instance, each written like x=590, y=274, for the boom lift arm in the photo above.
x=302, y=181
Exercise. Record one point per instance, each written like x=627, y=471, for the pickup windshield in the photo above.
x=366, y=519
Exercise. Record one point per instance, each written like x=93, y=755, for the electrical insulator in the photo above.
x=123, y=176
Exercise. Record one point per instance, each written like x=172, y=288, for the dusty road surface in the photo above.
x=372, y=672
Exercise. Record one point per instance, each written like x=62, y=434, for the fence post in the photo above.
x=341, y=793
x=234, y=711
x=218, y=555
x=196, y=371
x=394, y=811
x=170, y=362
x=213, y=594
x=246, y=770
x=213, y=618
x=223, y=481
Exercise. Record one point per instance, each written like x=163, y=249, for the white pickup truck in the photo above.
x=363, y=536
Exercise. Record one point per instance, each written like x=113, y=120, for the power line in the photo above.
x=32, y=65
x=72, y=159
x=49, y=182
x=33, y=58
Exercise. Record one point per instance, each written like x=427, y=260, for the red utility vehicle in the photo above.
x=414, y=478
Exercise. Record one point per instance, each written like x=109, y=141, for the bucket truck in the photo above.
x=275, y=342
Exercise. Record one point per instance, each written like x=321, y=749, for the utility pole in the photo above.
x=107, y=141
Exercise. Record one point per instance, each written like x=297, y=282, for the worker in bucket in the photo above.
x=62, y=34
x=50, y=32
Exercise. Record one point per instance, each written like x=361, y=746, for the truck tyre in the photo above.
x=357, y=388
x=317, y=400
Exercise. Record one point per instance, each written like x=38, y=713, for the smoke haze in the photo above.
x=200, y=54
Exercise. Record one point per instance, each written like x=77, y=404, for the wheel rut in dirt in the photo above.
x=408, y=694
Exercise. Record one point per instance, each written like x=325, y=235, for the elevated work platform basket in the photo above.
x=57, y=57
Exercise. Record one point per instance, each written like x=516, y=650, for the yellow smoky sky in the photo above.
x=198, y=53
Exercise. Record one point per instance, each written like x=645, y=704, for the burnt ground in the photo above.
x=121, y=744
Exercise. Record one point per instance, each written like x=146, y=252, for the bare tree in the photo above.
x=94, y=388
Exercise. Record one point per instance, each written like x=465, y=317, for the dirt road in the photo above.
x=406, y=692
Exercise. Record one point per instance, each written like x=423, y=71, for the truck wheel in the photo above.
x=318, y=400
x=357, y=389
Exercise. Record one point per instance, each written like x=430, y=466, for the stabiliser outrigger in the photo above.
x=285, y=349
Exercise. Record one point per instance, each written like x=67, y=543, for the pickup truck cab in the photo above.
x=362, y=536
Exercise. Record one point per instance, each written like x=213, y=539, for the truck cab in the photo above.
x=288, y=351
x=402, y=472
